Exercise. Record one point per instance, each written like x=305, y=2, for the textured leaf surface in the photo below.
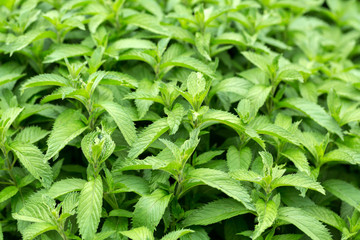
x=298, y=158
x=305, y=222
x=345, y=191
x=66, y=51
x=89, y=210
x=122, y=119
x=66, y=127
x=7, y=193
x=150, y=209
x=215, y=211
x=47, y=79
x=267, y=213
x=174, y=235
x=326, y=216
x=298, y=180
x=66, y=186
x=222, y=181
x=35, y=229
x=140, y=233
x=315, y=112
x=191, y=63
x=31, y=134
x=148, y=136
x=33, y=160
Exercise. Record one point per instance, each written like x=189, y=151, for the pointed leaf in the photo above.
x=66, y=127
x=89, y=210
x=140, y=233
x=66, y=186
x=122, y=120
x=222, y=181
x=236, y=159
x=215, y=211
x=33, y=160
x=315, y=112
x=305, y=222
x=267, y=213
x=7, y=193
x=31, y=134
x=47, y=79
x=35, y=229
x=344, y=191
x=148, y=136
x=298, y=158
x=297, y=180
x=191, y=63
x=150, y=209
x=174, y=235
x=66, y=51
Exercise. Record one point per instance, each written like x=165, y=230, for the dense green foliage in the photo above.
x=179, y=119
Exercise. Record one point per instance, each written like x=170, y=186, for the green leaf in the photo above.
x=120, y=213
x=31, y=134
x=195, y=83
x=236, y=159
x=202, y=43
x=238, y=86
x=97, y=146
x=267, y=213
x=89, y=210
x=1, y=233
x=326, y=216
x=10, y=72
x=245, y=175
x=126, y=43
x=298, y=158
x=33, y=160
x=8, y=117
x=258, y=95
x=175, y=117
x=206, y=157
x=65, y=186
x=117, y=78
x=150, y=209
x=174, y=235
x=26, y=39
x=148, y=136
x=315, y=112
x=230, y=38
x=214, y=212
x=290, y=75
x=218, y=116
x=35, y=229
x=305, y=222
x=198, y=234
x=7, y=193
x=344, y=191
x=152, y=6
x=147, y=22
x=258, y=60
x=297, y=180
x=191, y=63
x=67, y=126
x=342, y=154
x=122, y=120
x=222, y=181
x=37, y=212
x=66, y=51
x=287, y=237
x=131, y=183
x=140, y=233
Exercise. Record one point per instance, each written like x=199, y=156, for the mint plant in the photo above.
x=179, y=119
